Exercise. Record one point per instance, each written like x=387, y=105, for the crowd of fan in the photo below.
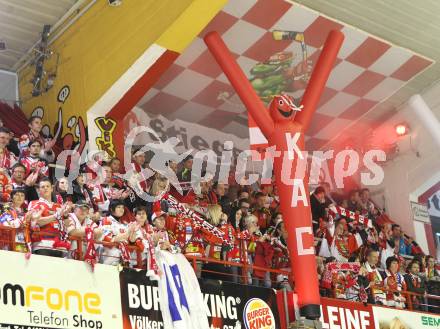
x=362, y=256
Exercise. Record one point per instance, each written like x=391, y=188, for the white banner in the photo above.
x=47, y=292
x=420, y=212
x=191, y=135
x=398, y=319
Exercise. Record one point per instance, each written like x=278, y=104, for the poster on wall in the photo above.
x=48, y=293
x=389, y=318
x=228, y=305
x=420, y=212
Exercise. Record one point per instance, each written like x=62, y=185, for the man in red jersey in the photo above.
x=48, y=237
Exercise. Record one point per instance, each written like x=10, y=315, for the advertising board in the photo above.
x=47, y=292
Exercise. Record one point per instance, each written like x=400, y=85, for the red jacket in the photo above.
x=281, y=259
x=203, y=200
x=264, y=218
x=263, y=257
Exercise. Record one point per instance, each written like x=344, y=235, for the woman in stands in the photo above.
x=237, y=223
x=431, y=272
x=281, y=254
x=14, y=215
x=16, y=209
x=61, y=191
x=143, y=238
x=158, y=190
x=117, y=234
x=415, y=284
x=395, y=283
x=214, y=249
x=251, y=237
x=161, y=237
x=82, y=192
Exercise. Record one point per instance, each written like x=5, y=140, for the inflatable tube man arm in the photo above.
x=250, y=98
x=240, y=83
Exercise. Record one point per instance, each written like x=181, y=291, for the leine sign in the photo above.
x=340, y=314
x=45, y=292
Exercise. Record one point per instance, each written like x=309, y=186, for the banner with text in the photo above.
x=342, y=314
x=228, y=305
x=338, y=313
x=48, y=293
x=191, y=135
x=399, y=319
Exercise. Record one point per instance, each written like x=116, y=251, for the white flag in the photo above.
x=181, y=301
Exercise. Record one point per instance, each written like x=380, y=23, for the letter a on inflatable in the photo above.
x=281, y=125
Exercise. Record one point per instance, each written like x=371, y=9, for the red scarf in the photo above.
x=27, y=238
x=125, y=255
x=90, y=257
x=152, y=263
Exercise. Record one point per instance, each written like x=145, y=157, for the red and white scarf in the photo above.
x=90, y=256
x=7, y=159
x=125, y=255
x=152, y=267
x=206, y=227
x=351, y=215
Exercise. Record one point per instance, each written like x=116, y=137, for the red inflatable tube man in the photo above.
x=284, y=125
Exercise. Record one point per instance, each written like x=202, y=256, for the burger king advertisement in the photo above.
x=257, y=314
x=227, y=305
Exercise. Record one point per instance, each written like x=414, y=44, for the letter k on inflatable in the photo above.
x=284, y=125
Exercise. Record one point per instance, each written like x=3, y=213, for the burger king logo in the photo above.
x=258, y=315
